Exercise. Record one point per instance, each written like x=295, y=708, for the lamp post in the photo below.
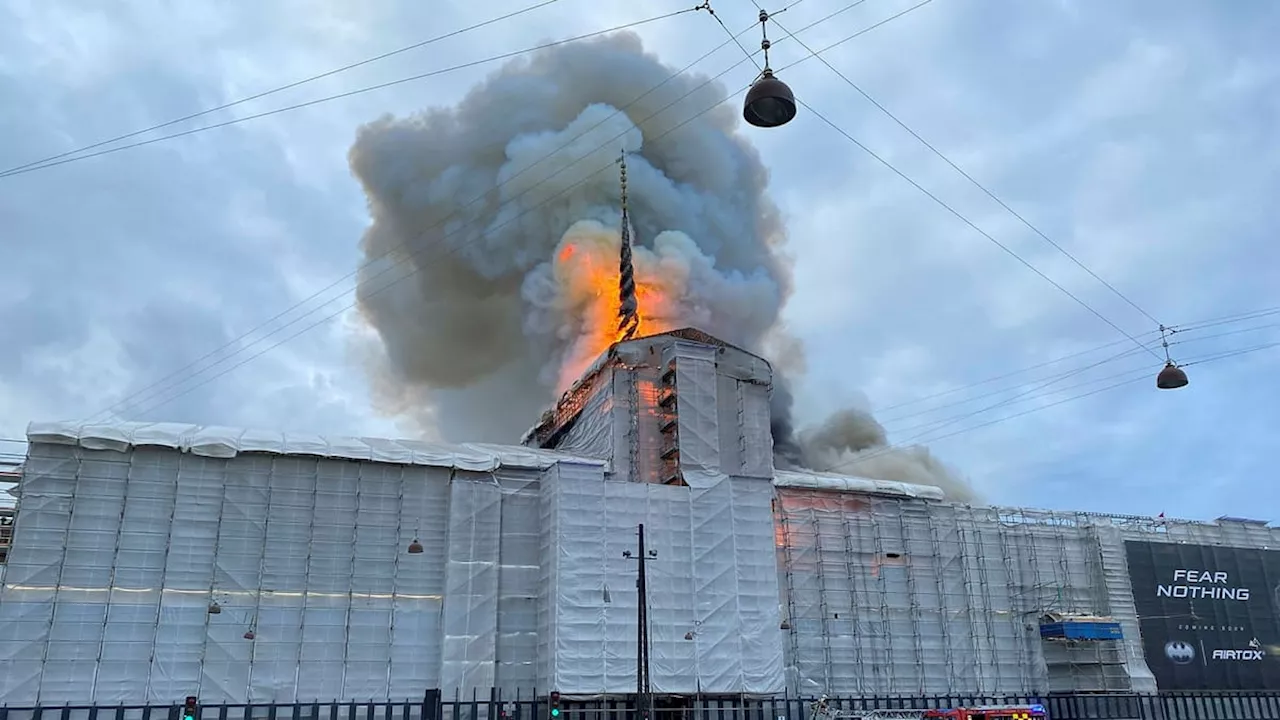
x=643, y=699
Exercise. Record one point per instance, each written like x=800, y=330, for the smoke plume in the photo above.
x=852, y=441
x=498, y=220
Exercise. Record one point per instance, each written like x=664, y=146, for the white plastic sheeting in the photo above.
x=698, y=415
x=118, y=556
x=520, y=563
x=754, y=434
x=841, y=483
x=224, y=442
x=471, y=586
x=592, y=431
x=714, y=577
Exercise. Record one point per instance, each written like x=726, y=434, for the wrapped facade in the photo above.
x=152, y=562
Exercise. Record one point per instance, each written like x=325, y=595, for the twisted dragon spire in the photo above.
x=628, y=307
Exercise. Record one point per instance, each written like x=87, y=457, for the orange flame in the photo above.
x=592, y=272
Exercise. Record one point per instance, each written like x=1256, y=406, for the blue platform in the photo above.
x=1081, y=630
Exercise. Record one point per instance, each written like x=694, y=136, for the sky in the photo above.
x=1142, y=137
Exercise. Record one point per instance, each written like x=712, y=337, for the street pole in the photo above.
x=642, y=636
x=643, y=692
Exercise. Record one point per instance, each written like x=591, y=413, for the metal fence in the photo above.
x=532, y=706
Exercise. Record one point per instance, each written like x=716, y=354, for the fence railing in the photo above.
x=531, y=706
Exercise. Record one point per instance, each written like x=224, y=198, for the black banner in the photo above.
x=1210, y=616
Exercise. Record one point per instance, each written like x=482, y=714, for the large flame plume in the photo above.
x=586, y=268
x=499, y=222
x=676, y=286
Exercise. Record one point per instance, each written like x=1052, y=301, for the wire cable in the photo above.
x=1003, y=376
x=938, y=200
x=350, y=93
x=879, y=452
x=975, y=183
x=934, y=426
x=1231, y=354
x=282, y=88
x=1028, y=394
x=1143, y=373
x=1000, y=391
x=443, y=222
x=1227, y=319
x=1251, y=328
x=952, y=210
x=942, y=203
x=412, y=272
x=216, y=351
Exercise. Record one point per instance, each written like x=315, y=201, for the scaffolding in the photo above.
x=10, y=474
x=907, y=596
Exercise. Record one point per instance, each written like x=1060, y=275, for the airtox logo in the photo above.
x=1253, y=653
x=1180, y=652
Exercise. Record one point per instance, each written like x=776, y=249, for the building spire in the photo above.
x=628, y=308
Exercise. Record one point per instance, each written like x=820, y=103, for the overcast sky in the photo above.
x=1142, y=136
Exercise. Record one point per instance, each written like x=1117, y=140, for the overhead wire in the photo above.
x=371, y=261
x=884, y=418
x=282, y=88
x=1230, y=354
x=942, y=203
x=443, y=222
x=1028, y=394
x=1134, y=374
x=1201, y=338
x=932, y=148
x=1227, y=319
x=553, y=197
x=1003, y=376
x=1141, y=346
x=350, y=93
x=882, y=412
x=882, y=451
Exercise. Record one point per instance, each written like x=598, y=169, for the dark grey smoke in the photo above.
x=787, y=452
x=496, y=312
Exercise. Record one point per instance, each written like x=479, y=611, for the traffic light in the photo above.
x=189, y=708
x=554, y=703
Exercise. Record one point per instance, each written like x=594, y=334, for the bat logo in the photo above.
x=1179, y=652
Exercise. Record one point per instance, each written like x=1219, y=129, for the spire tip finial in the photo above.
x=628, y=307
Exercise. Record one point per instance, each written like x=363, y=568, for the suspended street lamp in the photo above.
x=1171, y=376
x=770, y=103
x=415, y=546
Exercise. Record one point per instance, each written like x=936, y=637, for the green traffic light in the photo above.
x=555, y=712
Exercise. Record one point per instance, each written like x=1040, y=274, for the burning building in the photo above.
x=152, y=562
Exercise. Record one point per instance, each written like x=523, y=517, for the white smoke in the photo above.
x=492, y=215
x=853, y=442
x=677, y=285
